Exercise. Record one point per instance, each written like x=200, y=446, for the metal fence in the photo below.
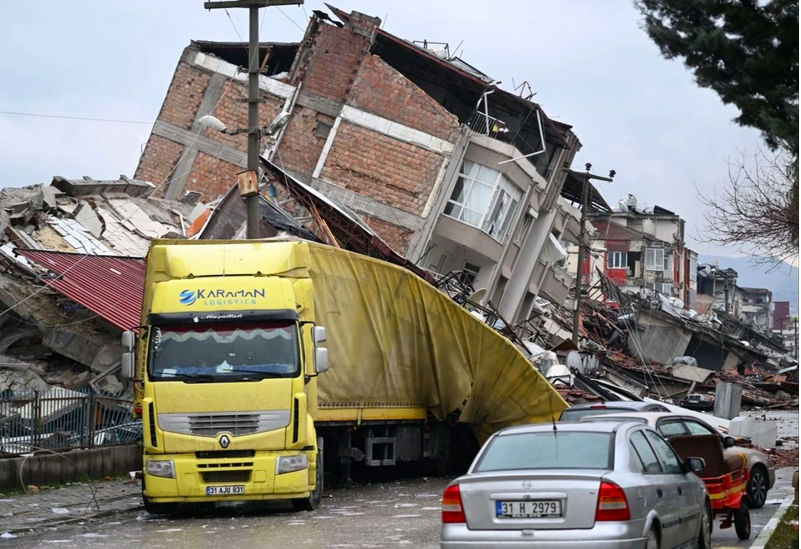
x=60, y=419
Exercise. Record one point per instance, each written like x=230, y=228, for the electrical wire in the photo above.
x=291, y=20
x=147, y=198
x=84, y=118
x=92, y=486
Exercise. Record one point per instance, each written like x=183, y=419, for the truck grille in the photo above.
x=239, y=477
x=210, y=425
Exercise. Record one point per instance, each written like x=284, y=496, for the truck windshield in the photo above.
x=224, y=352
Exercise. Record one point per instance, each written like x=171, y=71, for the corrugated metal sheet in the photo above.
x=111, y=287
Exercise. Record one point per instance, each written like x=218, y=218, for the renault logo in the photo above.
x=225, y=441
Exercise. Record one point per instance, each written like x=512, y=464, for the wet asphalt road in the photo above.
x=403, y=513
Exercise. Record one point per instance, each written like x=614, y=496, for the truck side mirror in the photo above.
x=320, y=360
x=318, y=334
x=127, y=365
x=128, y=341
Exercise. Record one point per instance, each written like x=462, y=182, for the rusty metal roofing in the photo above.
x=109, y=286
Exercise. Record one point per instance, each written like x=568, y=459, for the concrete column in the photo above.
x=524, y=267
x=728, y=399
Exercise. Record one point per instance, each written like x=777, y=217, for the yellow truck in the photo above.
x=232, y=340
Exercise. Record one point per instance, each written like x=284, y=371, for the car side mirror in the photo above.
x=728, y=442
x=694, y=465
x=127, y=366
x=320, y=360
x=318, y=334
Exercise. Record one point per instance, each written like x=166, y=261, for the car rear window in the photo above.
x=575, y=415
x=548, y=450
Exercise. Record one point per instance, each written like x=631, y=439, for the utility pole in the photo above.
x=585, y=192
x=249, y=180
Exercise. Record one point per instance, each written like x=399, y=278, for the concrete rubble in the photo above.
x=46, y=339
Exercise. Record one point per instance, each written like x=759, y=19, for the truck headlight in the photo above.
x=287, y=464
x=161, y=468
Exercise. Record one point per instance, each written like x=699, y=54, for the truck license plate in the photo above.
x=224, y=490
x=528, y=509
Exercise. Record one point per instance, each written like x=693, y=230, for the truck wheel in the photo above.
x=742, y=522
x=157, y=508
x=314, y=500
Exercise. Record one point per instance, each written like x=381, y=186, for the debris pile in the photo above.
x=47, y=337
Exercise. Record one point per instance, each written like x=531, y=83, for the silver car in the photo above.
x=762, y=474
x=577, y=485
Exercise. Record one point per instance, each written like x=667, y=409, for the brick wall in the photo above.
x=385, y=92
x=331, y=63
x=158, y=160
x=395, y=235
x=232, y=110
x=382, y=168
x=301, y=146
x=184, y=95
x=211, y=176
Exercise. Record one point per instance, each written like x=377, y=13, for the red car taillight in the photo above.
x=612, y=503
x=452, y=510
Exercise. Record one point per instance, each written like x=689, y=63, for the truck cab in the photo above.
x=225, y=364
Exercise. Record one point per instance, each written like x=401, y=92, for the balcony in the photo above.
x=487, y=125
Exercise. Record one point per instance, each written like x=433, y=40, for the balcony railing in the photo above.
x=487, y=125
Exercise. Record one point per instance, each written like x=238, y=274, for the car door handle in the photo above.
x=680, y=491
x=659, y=492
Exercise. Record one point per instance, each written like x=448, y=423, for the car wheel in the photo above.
x=757, y=487
x=653, y=540
x=705, y=532
x=742, y=522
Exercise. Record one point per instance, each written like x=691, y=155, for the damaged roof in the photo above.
x=111, y=287
x=608, y=230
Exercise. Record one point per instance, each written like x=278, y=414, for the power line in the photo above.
x=291, y=20
x=15, y=113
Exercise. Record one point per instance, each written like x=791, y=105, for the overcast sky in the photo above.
x=588, y=61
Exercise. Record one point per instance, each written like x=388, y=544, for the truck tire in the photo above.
x=157, y=508
x=742, y=522
x=314, y=500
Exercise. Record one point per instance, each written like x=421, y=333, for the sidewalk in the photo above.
x=47, y=507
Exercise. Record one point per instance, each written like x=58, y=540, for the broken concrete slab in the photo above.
x=21, y=380
x=97, y=351
x=87, y=217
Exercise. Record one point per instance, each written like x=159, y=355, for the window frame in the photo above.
x=470, y=271
x=500, y=185
x=693, y=275
x=671, y=421
x=654, y=265
x=622, y=257
x=525, y=228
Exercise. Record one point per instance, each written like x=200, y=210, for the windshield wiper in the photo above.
x=194, y=378
x=258, y=372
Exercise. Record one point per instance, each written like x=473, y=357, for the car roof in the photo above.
x=618, y=404
x=594, y=427
x=650, y=417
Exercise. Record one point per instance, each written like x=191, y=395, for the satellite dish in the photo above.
x=478, y=296
x=574, y=361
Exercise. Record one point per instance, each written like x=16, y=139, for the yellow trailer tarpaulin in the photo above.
x=396, y=340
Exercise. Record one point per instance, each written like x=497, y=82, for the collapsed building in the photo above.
x=391, y=149
x=450, y=170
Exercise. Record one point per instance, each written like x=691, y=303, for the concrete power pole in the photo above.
x=585, y=192
x=249, y=180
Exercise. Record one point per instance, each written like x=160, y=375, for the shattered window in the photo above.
x=484, y=198
x=528, y=219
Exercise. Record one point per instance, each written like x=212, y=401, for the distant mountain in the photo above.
x=782, y=281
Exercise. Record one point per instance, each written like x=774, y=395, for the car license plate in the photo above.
x=224, y=490
x=528, y=509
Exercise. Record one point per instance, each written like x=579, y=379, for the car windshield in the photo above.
x=577, y=414
x=224, y=352
x=548, y=450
